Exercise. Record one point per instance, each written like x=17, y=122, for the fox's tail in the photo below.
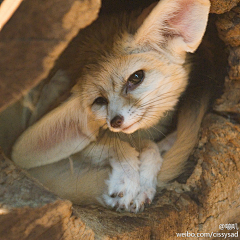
x=189, y=122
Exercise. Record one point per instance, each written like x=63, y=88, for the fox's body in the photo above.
x=131, y=71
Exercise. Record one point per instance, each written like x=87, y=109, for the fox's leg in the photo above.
x=80, y=182
x=56, y=136
x=124, y=183
x=165, y=144
x=150, y=164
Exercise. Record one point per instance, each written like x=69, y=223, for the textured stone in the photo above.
x=234, y=63
x=229, y=103
x=34, y=37
x=218, y=188
x=29, y=211
x=229, y=27
x=222, y=6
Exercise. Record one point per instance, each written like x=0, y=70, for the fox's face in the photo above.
x=132, y=92
x=143, y=75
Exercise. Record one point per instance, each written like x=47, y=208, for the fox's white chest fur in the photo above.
x=131, y=72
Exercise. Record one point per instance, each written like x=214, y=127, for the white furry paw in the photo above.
x=132, y=184
x=123, y=187
x=143, y=199
x=151, y=162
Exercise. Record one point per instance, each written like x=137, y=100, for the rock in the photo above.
x=234, y=63
x=218, y=189
x=229, y=103
x=34, y=37
x=229, y=27
x=222, y=6
x=29, y=211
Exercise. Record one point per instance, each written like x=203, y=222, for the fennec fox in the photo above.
x=132, y=70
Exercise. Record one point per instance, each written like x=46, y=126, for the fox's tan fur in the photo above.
x=106, y=55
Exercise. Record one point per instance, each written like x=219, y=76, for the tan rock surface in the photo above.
x=222, y=6
x=29, y=211
x=33, y=39
x=229, y=27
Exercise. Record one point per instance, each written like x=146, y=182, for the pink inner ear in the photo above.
x=183, y=22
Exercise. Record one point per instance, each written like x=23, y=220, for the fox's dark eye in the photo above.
x=136, y=77
x=100, y=101
x=134, y=80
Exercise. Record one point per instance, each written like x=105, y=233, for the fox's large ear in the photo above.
x=175, y=25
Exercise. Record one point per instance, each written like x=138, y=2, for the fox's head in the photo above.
x=143, y=71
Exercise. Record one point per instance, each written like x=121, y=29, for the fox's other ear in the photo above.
x=175, y=25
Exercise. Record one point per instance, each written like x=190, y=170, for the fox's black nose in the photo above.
x=117, y=121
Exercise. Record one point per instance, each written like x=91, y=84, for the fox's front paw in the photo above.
x=123, y=187
x=143, y=199
x=130, y=192
x=129, y=196
x=151, y=162
x=132, y=183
